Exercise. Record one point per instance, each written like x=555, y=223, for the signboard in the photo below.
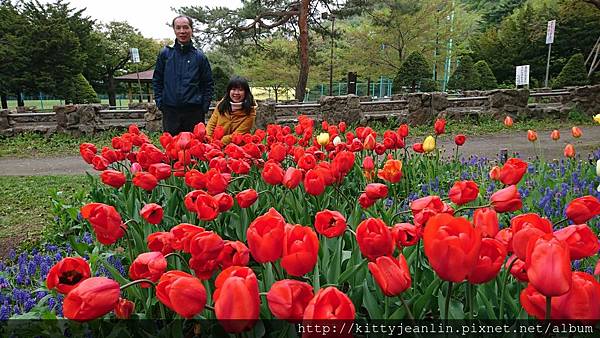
x=550, y=32
x=135, y=55
x=522, y=75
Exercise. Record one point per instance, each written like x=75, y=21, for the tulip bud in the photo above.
x=555, y=135
x=323, y=139
x=531, y=135
x=576, y=132
x=508, y=121
x=429, y=144
x=569, y=151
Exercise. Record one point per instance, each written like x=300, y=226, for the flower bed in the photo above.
x=317, y=224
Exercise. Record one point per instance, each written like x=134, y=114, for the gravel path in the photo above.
x=488, y=145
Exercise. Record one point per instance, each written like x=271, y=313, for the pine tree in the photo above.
x=573, y=73
x=221, y=80
x=412, y=71
x=81, y=91
x=487, y=80
x=464, y=76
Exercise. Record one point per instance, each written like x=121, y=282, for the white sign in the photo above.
x=522, y=75
x=550, y=32
x=135, y=55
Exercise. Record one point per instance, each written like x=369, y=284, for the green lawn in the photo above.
x=26, y=205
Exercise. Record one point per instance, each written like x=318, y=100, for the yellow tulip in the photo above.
x=323, y=139
x=597, y=118
x=429, y=144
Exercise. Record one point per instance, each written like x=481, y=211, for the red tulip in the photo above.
x=87, y=151
x=460, y=139
x=182, y=234
x=534, y=303
x=272, y=173
x=246, y=198
x=234, y=253
x=512, y=171
x=439, y=126
x=486, y=220
x=506, y=200
x=206, y=245
x=582, y=209
x=152, y=213
x=518, y=269
x=425, y=207
x=508, y=121
x=216, y=182
x=406, y=234
x=581, y=240
x=224, y=200
x=569, y=151
x=505, y=236
x=292, y=177
x=265, y=236
x=548, y=265
x=288, y=299
x=452, y=246
x=392, y=275
x=531, y=136
x=300, y=250
x=145, y=180
x=206, y=206
x=376, y=191
x=364, y=201
x=67, y=274
x=182, y=293
x=114, y=178
x=93, y=298
x=314, y=183
x=392, y=171
x=526, y=227
x=576, y=132
x=160, y=170
x=330, y=223
x=495, y=173
x=105, y=220
x=491, y=257
x=161, y=241
x=124, y=308
x=555, y=135
x=374, y=239
x=403, y=130
x=330, y=304
x=236, y=298
x=463, y=192
x=148, y=265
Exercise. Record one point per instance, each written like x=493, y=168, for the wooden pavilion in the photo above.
x=145, y=79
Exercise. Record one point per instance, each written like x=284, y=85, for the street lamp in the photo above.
x=330, y=16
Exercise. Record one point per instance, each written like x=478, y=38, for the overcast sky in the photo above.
x=148, y=16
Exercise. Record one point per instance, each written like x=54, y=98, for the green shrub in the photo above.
x=429, y=85
x=464, y=77
x=573, y=73
x=487, y=80
x=221, y=80
x=81, y=91
x=412, y=71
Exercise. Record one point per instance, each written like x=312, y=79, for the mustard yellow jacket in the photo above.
x=237, y=121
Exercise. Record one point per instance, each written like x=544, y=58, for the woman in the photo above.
x=236, y=112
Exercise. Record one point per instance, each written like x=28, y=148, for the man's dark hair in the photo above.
x=183, y=16
x=237, y=82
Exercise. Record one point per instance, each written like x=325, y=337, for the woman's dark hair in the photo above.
x=237, y=82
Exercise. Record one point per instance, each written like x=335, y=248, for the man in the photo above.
x=182, y=82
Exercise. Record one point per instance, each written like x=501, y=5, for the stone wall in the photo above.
x=415, y=109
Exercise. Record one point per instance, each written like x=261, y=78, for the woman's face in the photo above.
x=237, y=94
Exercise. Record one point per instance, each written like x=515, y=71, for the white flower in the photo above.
x=598, y=168
x=337, y=140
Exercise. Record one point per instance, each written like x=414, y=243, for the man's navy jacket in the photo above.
x=182, y=78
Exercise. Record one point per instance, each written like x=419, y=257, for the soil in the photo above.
x=515, y=142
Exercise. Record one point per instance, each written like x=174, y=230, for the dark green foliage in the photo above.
x=81, y=91
x=465, y=77
x=486, y=77
x=221, y=79
x=429, y=85
x=412, y=71
x=573, y=73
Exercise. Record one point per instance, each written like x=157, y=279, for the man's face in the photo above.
x=183, y=31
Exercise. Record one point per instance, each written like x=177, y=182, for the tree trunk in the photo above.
x=112, y=99
x=20, y=102
x=303, y=45
x=275, y=89
x=4, y=100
